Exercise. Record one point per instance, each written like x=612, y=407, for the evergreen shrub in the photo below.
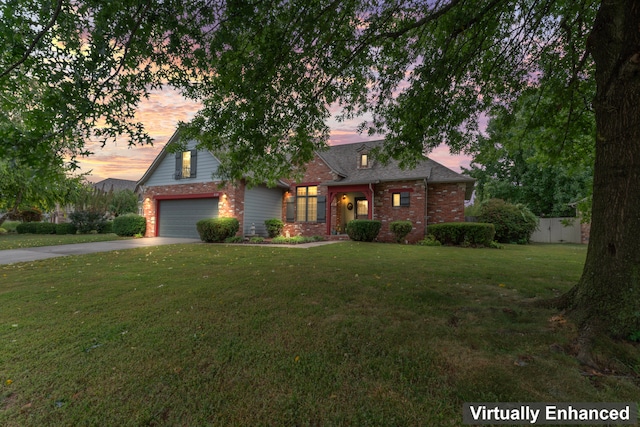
x=87, y=221
x=463, y=233
x=217, y=230
x=513, y=223
x=363, y=230
x=129, y=225
x=400, y=229
x=274, y=227
x=65, y=228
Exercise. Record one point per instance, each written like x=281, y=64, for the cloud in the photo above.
x=161, y=113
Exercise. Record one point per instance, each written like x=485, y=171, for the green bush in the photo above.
x=10, y=226
x=107, y=228
x=463, y=233
x=513, y=223
x=363, y=230
x=295, y=240
x=234, y=239
x=45, y=228
x=87, y=221
x=400, y=229
x=3, y=231
x=217, y=229
x=26, y=228
x=274, y=227
x=65, y=228
x=430, y=240
x=256, y=239
x=129, y=225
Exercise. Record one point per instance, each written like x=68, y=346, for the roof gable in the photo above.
x=345, y=159
x=162, y=169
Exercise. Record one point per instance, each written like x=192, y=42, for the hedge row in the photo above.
x=45, y=228
x=463, y=233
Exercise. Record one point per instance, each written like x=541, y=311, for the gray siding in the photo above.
x=165, y=171
x=261, y=203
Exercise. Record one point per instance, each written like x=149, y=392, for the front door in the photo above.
x=362, y=208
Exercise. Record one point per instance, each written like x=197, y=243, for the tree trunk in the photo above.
x=607, y=297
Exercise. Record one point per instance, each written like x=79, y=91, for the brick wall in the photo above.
x=316, y=172
x=230, y=206
x=386, y=212
x=445, y=203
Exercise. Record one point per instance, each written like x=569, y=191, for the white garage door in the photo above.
x=178, y=218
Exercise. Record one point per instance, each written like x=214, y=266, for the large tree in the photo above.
x=269, y=72
x=75, y=70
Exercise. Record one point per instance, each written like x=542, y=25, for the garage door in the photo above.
x=178, y=218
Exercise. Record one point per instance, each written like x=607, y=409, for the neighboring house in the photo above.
x=115, y=184
x=340, y=184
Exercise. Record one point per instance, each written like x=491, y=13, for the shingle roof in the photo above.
x=343, y=160
x=115, y=184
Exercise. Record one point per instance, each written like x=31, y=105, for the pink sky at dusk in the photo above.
x=161, y=114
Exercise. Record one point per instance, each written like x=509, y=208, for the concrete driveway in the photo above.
x=11, y=256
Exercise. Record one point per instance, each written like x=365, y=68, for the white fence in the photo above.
x=557, y=230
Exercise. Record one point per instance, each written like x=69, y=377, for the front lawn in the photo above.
x=343, y=334
x=21, y=241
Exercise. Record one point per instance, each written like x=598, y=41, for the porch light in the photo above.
x=344, y=197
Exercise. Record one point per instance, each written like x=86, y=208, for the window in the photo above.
x=186, y=164
x=364, y=160
x=307, y=203
x=400, y=199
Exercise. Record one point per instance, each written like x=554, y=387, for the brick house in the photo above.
x=340, y=184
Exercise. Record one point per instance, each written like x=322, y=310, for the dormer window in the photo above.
x=364, y=160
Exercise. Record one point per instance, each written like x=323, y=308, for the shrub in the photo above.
x=430, y=240
x=107, y=228
x=10, y=226
x=256, y=239
x=65, y=228
x=363, y=230
x=400, y=229
x=129, y=225
x=45, y=228
x=86, y=221
x=234, y=239
x=513, y=223
x=463, y=233
x=3, y=231
x=217, y=229
x=26, y=227
x=274, y=226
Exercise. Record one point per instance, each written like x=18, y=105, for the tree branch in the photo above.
x=35, y=41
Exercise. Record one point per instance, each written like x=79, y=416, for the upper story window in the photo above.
x=186, y=162
x=364, y=160
x=400, y=199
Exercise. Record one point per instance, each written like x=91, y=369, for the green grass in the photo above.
x=20, y=241
x=343, y=334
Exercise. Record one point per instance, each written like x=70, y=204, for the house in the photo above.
x=342, y=183
x=115, y=184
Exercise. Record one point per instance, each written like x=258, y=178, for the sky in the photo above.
x=161, y=113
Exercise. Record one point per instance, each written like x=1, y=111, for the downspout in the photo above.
x=426, y=206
